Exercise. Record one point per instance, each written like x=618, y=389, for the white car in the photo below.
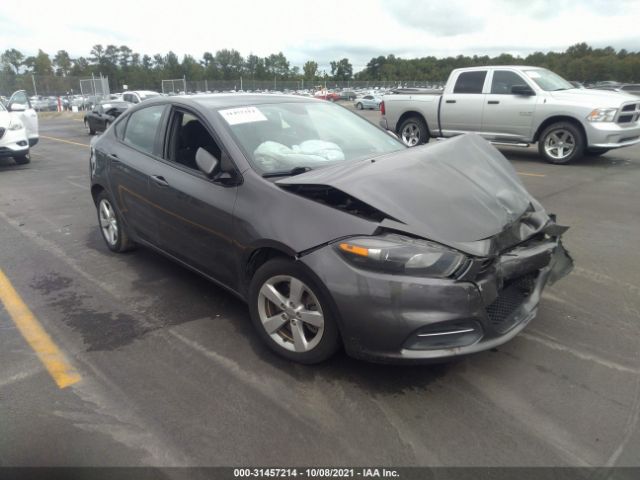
x=368, y=101
x=18, y=128
x=140, y=96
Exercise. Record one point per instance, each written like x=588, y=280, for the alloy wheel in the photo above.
x=410, y=134
x=290, y=313
x=108, y=222
x=559, y=144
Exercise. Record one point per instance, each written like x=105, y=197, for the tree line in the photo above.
x=124, y=66
x=579, y=62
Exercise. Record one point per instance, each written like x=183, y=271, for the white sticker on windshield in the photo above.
x=236, y=116
x=532, y=74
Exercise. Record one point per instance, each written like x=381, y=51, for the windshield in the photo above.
x=547, y=80
x=284, y=137
x=1, y=107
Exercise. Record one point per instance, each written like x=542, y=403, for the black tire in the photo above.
x=595, y=152
x=107, y=124
x=87, y=126
x=359, y=106
x=561, y=129
x=329, y=341
x=123, y=241
x=417, y=126
x=22, y=159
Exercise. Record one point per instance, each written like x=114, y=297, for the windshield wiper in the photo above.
x=558, y=89
x=287, y=173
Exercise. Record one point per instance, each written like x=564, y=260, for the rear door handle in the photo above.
x=450, y=101
x=493, y=102
x=159, y=180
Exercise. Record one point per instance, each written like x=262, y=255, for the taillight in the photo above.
x=382, y=112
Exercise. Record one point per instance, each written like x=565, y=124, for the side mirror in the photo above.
x=17, y=107
x=206, y=162
x=522, y=90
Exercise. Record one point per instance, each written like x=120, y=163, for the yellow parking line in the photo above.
x=39, y=340
x=531, y=174
x=64, y=141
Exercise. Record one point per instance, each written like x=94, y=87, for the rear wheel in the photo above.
x=88, y=128
x=111, y=226
x=291, y=313
x=22, y=159
x=596, y=152
x=561, y=143
x=413, y=131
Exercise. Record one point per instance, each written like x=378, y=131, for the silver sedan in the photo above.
x=368, y=102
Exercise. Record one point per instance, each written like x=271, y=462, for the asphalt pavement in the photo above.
x=172, y=374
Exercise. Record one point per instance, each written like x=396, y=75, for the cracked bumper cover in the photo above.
x=385, y=317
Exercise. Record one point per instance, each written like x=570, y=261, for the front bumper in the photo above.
x=394, y=318
x=14, y=143
x=612, y=135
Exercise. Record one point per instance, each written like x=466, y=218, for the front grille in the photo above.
x=513, y=295
x=1, y=132
x=629, y=113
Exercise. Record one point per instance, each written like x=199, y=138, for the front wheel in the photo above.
x=413, y=131
x=359, y=106
x=88, y=128
x=111, y=226
x=291, y=313
x=561, y=143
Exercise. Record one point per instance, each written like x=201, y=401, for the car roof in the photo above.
x=114, y=102
x=231, y=100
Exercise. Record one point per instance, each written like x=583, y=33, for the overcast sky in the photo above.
x=323, y=30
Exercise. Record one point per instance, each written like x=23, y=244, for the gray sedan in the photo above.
x=333, y=232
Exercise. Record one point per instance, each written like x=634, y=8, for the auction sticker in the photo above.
x=237, y=116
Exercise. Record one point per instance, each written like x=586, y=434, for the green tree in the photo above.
x=310, y=69
x=342, y=70
x=63, y=63
x=12, y=58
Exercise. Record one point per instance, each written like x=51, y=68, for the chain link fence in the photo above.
x=98, y=86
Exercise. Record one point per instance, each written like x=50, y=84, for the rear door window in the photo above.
x=470, y=82
x=142, y=128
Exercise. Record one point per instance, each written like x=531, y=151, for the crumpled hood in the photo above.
x=458, y=192
x=593, y=97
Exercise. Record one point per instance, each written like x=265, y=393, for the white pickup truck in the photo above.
x=517, y=105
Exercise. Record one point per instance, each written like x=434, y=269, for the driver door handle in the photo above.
x=159, y=180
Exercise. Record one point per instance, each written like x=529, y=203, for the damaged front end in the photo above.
x=510, y=285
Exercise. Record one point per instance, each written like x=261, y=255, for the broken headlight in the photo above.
x=401, y=255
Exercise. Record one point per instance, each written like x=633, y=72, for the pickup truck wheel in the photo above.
x=596, y=152
x=87, y=126
x=413, y=131
x=561, y=143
